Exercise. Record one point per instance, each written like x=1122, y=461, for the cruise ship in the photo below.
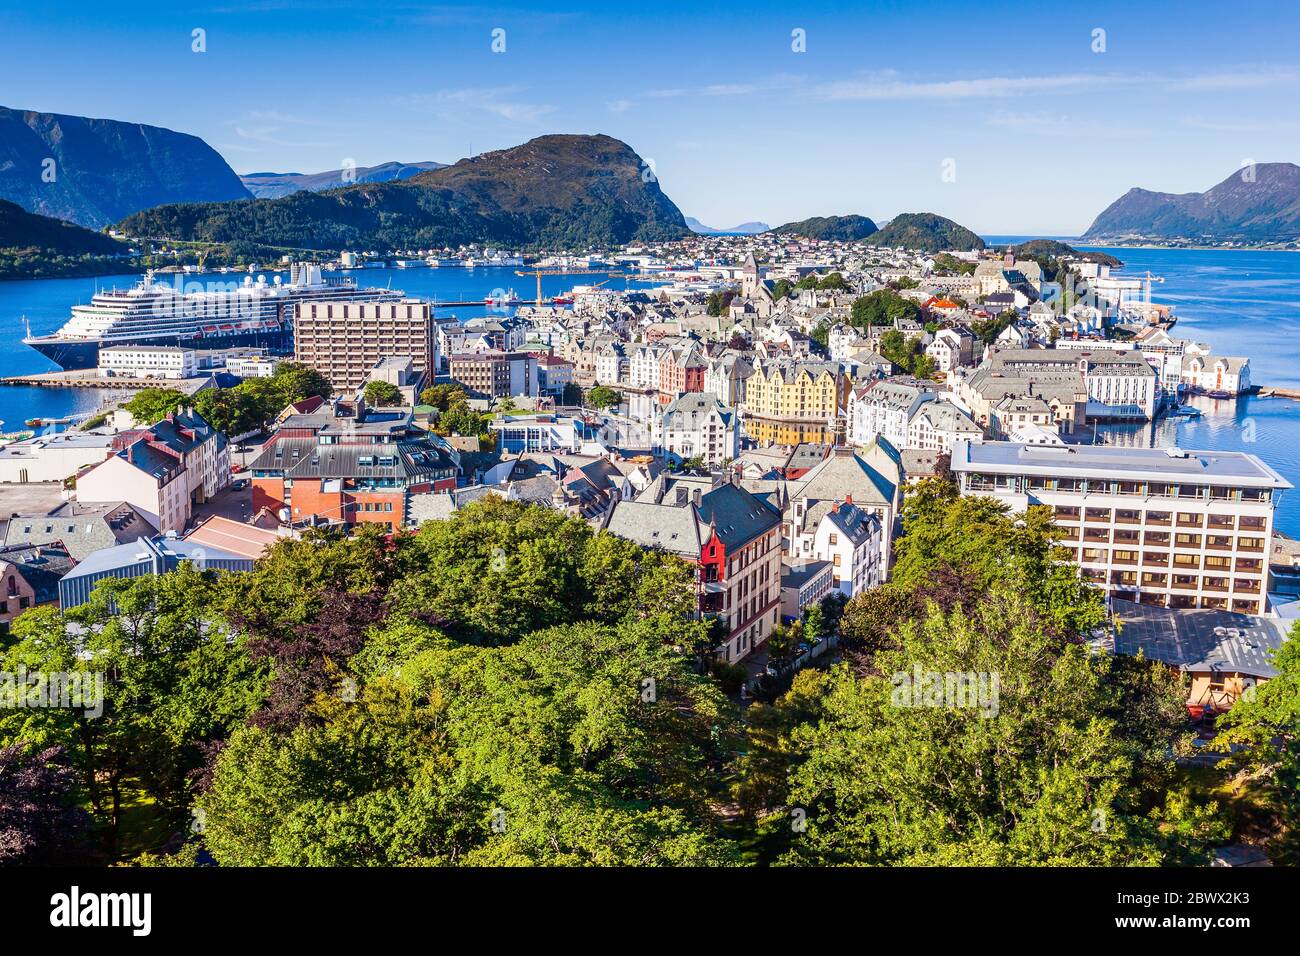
x=153, y=312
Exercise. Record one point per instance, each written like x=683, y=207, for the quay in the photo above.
x=1269, y=392
x=86, y=378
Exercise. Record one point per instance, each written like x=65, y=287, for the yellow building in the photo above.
x=797, y=391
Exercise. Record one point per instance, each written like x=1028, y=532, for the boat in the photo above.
x=499, y=298
x=1185, y=411
x=562, y=300
x=255, y=314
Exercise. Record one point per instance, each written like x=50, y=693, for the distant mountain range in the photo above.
x=271, y=185
x=96, y=171
x=560, y=191
x=926, y=232
x=1259, y=203
x=833, y=228
x=745, y=228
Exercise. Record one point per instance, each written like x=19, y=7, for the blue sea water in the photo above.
x=45, y=303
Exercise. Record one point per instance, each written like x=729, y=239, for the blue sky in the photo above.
x=1041, y=131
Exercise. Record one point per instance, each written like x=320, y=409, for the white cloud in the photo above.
x=499, y=101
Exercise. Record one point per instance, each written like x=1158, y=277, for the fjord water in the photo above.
x=45, y=303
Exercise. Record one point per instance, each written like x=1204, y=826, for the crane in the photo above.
x=561, y=272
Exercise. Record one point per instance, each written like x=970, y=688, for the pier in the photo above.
x=1268, y=392
x=87, y=378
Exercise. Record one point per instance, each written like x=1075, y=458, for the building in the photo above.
x=698, y=425
x=554, y=375
x=52, y=457
x=80, y=526
x=495, y=374
x=570, y=434
x=1168, y=527
x=344, y=340
x=1121, y=384
x=938, y=425
x=789, y=390
x=29, y=577
x=1219, y=376
x=885, y=407
x=147, y=361
x=142, y=557
x=870, y=479
x=803, y=585
x=252, y=366
x=162, y=471
x=734, y=539
x=850, y=539
x=952, y=348
x=347, y=464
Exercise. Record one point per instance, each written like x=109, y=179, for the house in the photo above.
x=349, y=464
x=162, y=471
x=850, y=539
x=53, y=457
x=29, y=577
x=733, y=538
x=803, y=585
x=1219, y=376
x=952, y=347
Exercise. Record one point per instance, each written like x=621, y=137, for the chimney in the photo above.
x=835, y=508
x=848, y=499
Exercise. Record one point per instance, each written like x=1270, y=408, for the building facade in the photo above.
x=1174, y=528
x=345, y=340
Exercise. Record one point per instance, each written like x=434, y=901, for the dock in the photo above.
x=86, y=378
x=1268, y=392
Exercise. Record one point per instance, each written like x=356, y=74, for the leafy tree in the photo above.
x=40, y=823
x=718, y=302
x=1035, y=769
x=379, y=393
x=821, y=334
x=444, y=395
x=151, y=405
x=781, y=288
x=882, y=307
x=234, y=411
x=602, y=396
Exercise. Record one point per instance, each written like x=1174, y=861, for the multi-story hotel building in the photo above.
x=345, y=340
x=1170, y=527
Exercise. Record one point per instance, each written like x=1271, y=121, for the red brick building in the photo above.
x=346, y=464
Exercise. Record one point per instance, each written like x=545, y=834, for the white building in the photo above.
x=850, y=539
x=885, y=407
x=147, y=361
x=52, y=457
x=1216, y=375
x=938, y=425
x=697, y=425
x=1175, y=528
x=252, y=366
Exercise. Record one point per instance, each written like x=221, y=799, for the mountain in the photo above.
x=20, y=229
x=559, y=191
x=834, y=228
x=925, y=232
x=104, y=169
x=271, y=185
x=745, y=228
x=1264, y=207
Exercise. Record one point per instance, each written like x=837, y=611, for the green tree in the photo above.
x=1027, y=763
x=882, y=307
x=150, y=405
x=380, y=393
x=602, y=396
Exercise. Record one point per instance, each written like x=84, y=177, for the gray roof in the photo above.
x=83, y=527
x=650, y=525
x=1200, y=640
x=1136, y=464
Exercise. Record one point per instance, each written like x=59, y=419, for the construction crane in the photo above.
x=561, y=272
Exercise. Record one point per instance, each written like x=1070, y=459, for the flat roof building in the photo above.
x=1167, y=527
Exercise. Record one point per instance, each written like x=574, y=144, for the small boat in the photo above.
x=1186, y=411
x=562, y=300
